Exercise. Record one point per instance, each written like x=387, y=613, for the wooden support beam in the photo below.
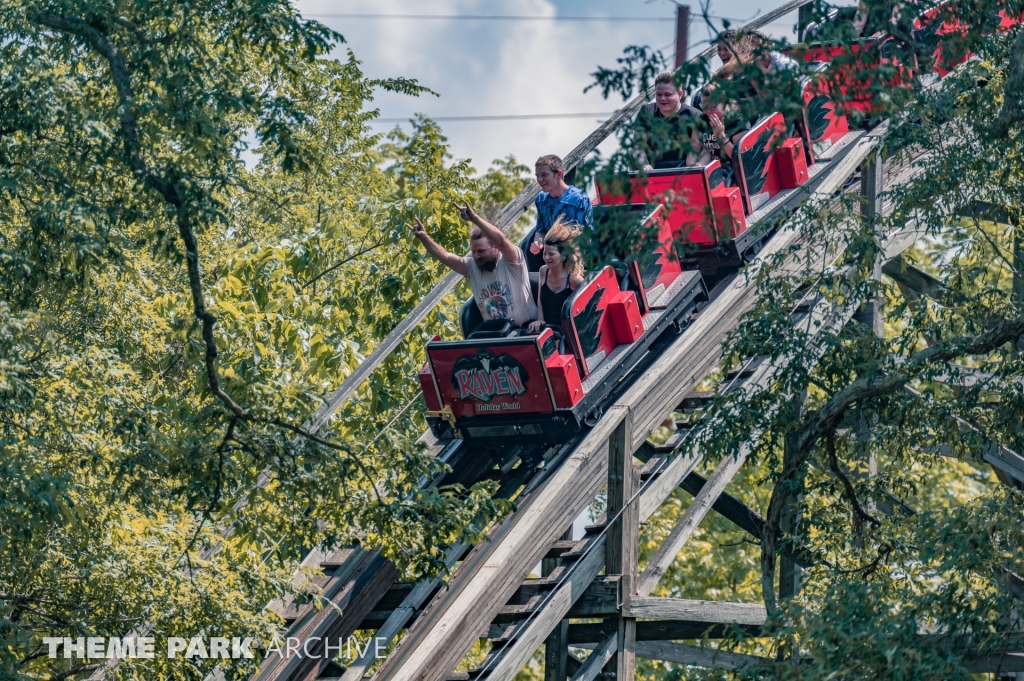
x=624, y=662
x=921, y=282
x=708, y=658
x=597, y=660
x=996, y=455
x=728, y=506
x=708, y=612
x=604, y=597
x=871, y=187
x=589, y=635
x=792, y=513
x=621, y=547
x=690, y=519
x=872, y=180
x=556, y=646
x=745, y=518
x=675, y=471
x=984, y=210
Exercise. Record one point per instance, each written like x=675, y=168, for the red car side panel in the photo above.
x=488, y=376
x=590, y=330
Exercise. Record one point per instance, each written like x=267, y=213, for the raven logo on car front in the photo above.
x=484, y=376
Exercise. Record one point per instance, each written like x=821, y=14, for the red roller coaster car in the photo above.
x=513, y=388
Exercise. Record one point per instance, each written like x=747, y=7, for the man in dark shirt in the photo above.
x=668, y=132
x=556, y=199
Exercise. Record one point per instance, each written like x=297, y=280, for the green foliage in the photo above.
x=169, y=319
x=637, y=68
x=911, y=581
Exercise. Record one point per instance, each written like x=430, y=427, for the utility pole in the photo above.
x=804, y=17
x=682, y=33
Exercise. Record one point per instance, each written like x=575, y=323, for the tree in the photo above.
x=170, y=317
x=925, y=590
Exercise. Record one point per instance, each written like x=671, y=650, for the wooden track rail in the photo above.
x=491, y=574
x=482, y=596
x=489, y=594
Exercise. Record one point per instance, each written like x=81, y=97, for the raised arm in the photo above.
x=437, y=251
x=508, y=250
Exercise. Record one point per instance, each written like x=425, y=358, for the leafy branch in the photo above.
x=97, y=38
x=823, y=422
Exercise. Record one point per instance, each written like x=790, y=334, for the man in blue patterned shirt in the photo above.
x=556, y=199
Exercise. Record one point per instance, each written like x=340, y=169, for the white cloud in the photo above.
x=503, y=67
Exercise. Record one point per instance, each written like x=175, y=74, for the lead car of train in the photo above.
x=495, y=387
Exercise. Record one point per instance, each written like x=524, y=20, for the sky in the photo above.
x=501, y=67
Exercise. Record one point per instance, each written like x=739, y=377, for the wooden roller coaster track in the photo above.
x=490, y=595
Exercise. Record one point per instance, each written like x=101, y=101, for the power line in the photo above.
x=522, y=117
x=487, y=17
x=500, y=17
x=514, y=17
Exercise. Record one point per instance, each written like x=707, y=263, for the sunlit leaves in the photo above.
x=119, y=465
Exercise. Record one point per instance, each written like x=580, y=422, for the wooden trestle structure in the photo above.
x=490, y=595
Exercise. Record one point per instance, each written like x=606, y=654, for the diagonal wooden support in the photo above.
x=921, y=282
x=1003, y=459
x=693, y=516
x=597, y=660
x=745, y=518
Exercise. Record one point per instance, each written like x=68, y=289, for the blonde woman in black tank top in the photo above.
x=561, y=274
